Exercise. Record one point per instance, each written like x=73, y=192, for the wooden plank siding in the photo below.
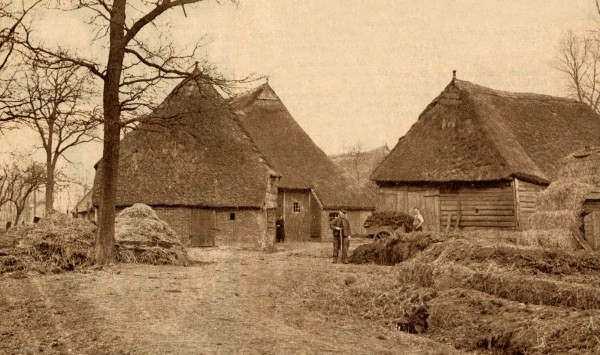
x=406, y=198
x=591, y=223
x=492, y=207
x=297, y=224
x=527, y=198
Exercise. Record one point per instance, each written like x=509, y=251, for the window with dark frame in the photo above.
x=296, y=207
x=232, y=216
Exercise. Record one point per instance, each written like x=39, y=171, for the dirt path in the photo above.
x=232, y=301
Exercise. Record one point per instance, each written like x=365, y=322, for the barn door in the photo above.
x=203, y=228
x=591, y=223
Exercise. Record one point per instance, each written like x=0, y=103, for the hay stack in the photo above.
x=560, y=206
x=57, y=243
x=142, y=237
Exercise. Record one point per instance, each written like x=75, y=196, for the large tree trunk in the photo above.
x=49, y=186
x=112, y=128
x=18, y=216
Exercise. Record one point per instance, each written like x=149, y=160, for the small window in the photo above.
x=333, y=215
x=232, y=216
x=296, y=207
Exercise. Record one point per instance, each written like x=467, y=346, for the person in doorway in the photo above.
x=341, y=236
x=280, y=230
x=418, y=221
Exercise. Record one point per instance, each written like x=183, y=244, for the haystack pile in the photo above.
x=57, y=243
x=389, y=218
x=482, y=291
x=560, y=206
x=141, y=237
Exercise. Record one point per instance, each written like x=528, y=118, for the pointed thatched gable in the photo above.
x=191, y=152
x=292, y=152
x=470, y=133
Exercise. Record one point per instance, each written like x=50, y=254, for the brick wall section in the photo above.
x=249, y=226
x=178, y=218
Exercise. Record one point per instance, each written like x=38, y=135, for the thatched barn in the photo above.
x=312, y=188
x=84, y=208
x=192, y=163
x=478, y=158
x=220, y=177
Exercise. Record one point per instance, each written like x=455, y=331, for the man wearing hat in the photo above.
x=341, y=233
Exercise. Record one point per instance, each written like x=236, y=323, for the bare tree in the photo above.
x=23, y=181
x=579, y=59
x=136, y=64
x=56, y=103
x=356, y=154
x=13, y=27
x=7, y=181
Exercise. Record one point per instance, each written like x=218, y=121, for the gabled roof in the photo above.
x=470, y=133
x=85, y=203
x=190, y=152
x=290, y=151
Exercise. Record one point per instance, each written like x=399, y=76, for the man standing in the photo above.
x=341, y=233
x=280, y=230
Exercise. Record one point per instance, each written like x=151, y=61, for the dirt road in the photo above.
x=231, y=301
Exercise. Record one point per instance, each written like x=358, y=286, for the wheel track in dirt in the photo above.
x=235, y=301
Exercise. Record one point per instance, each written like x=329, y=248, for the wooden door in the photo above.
x=296, y=211
x=203, y=228
x=591, y=223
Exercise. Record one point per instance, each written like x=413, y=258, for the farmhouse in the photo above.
x=219, y=177
x=191, y=162
x=477, y=157
x=312, y=188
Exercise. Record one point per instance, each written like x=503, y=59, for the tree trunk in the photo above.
x=18, y=216
x=49, y=185
x=112, y=115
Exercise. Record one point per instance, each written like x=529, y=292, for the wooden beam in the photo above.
x=448, y=222
x=515, y=185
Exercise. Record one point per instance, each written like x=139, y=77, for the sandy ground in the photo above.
x=233, y=300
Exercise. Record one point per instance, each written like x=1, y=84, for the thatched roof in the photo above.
x=292, y=152
x=85, y=203
x=190, y=152
x=470, y=133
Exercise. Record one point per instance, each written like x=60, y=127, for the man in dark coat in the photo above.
x=280, y=230
x=341, y=234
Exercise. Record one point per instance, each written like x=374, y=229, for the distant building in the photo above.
x=84, y=208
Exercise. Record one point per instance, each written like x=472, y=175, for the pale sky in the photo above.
x=362, y=71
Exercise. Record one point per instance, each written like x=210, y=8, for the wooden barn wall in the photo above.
x=356, y=219
x=297, y=224
x=406, y=198
x=591, y=224
x=247, y=227
x=479, y=208
x=527, y=200
x=271, y=195
x=590, y=206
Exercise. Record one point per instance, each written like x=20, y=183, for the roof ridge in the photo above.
x=479, y=89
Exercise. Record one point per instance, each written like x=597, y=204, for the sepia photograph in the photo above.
x=299, y=177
